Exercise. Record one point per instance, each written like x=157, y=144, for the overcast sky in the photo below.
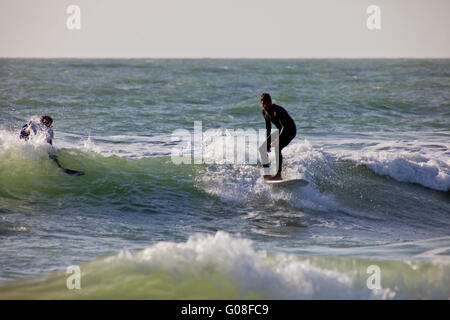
x=225, y=28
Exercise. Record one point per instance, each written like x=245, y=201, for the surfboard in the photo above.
x=298, y=182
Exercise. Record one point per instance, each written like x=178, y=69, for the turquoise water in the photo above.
x=372, y=140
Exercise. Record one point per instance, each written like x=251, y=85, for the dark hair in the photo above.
x=46, y=120
x=265, y=97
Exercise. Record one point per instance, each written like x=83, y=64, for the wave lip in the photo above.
x=433, y=174
x=253, y=272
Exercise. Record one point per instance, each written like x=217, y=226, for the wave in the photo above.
x=222, y=266
x=146, y=162
x=431, y=170
x=407, y=167
x=29, y=179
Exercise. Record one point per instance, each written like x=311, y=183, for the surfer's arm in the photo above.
x=268, y=134
x=273, y=144
x=49, y=136
x=25, y=131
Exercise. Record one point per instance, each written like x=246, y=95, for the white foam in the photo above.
x=35, y=148
x=134, y=147
x=281, y=276
x=407, y=167
x=244, y=183
x=90, y=146
x=415, y=159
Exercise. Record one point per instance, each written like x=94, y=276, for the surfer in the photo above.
x=277, y=115
x=44, y=127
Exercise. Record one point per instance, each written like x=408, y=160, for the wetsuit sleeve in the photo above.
x=24, y=133
x=50, y=136
x=268, y=132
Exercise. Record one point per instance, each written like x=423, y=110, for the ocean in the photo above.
x=373, y=139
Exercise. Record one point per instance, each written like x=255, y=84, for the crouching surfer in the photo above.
x=44, y=128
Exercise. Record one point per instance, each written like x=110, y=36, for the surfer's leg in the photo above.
x=282, y=143
x=280, y=162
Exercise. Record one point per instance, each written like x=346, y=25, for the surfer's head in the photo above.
x=46, y=121
x=266, y=100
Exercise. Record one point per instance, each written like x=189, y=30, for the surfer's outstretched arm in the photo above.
x=68, y=171
x=55, y=158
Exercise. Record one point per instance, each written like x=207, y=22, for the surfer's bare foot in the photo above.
x=275, y=177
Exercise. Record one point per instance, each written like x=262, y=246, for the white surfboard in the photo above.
x=297, y=182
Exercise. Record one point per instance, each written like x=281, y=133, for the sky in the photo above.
x=225, y=29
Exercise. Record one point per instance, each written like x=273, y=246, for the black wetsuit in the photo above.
x=282, y=120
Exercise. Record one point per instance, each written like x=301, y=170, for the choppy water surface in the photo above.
x=373, y=142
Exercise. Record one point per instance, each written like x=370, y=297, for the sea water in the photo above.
x=372, y=140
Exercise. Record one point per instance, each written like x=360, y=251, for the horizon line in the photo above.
x=214, y=58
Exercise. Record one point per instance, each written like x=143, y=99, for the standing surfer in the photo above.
x=277, y=115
